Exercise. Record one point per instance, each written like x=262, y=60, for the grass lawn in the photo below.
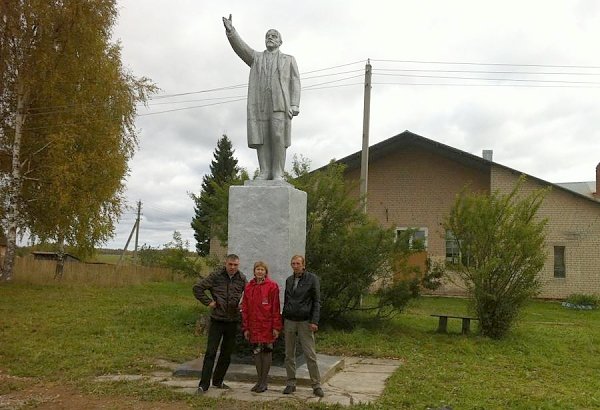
x=69, y=334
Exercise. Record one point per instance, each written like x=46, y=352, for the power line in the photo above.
x=332, y=86
x=190, y=108
x=58, y=109
x=524, y=82
x=491, y=79
x=225, y=88
x=485, y=71
x=333, y=81
x=335, y=66
x=489, y=85
x=487, y=64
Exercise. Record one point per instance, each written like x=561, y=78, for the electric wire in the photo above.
x=488, y=64
x=490, y=79
x=483, y=71
x=383, y=72
x=488, y=85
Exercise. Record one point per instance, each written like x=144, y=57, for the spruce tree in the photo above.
x=223, y=170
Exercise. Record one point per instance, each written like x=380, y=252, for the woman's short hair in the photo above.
x=260, y=263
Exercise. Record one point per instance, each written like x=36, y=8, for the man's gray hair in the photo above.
x=278, y=35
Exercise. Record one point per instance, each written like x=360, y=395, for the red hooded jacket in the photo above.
x=261, y=310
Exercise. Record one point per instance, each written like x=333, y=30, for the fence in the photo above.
x=38, y=272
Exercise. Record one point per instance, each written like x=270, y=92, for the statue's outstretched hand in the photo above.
x=227, y=23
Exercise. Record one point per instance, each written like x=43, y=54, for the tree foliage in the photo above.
x=174, y=255
x=68, y=109
x=349, y=251
x=503, y=241
x=208, y=220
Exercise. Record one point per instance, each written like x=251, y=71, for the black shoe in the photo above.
x=289, y=389
x=317, y=391
x=256, y=386
x=261, y=389
x=222, y=386
x=201, y=390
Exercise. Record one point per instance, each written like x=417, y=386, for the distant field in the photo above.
x=111, y=258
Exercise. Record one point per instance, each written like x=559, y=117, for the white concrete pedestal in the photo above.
x=267, y=221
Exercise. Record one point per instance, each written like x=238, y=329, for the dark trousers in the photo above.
x=218, y=331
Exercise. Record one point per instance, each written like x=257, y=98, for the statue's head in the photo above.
x=273, y=39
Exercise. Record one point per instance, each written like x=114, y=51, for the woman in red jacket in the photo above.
x=261, y=320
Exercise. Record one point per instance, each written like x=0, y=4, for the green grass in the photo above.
x=550, y=360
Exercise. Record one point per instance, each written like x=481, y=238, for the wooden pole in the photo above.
x=137, y=232
x=364, y=164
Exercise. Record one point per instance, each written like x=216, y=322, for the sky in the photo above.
x=521, y=78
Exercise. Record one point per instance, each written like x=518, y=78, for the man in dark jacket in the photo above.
x=225, y=286
x=301, y=309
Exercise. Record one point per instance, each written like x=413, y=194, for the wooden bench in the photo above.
x=443, y=322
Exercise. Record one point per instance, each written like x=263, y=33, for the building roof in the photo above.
x=53, y=254
x=408, y=138
x=587, y=188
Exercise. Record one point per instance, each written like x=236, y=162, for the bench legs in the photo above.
x=466, y=325
x=443, y=324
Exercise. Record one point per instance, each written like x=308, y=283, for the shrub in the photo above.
x=504, y=244
x=580, y=299
x=349, y=251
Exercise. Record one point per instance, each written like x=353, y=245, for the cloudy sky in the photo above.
x=519, y=77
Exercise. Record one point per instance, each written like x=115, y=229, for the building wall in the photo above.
x=573, y=222
x=415, y=188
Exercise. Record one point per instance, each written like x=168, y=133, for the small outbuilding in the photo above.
x=53, y=256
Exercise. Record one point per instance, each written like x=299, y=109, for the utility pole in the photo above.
x=364, y=163
x=137, y=231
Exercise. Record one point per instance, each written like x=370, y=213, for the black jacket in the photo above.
x=304, y=302
x=225, y=291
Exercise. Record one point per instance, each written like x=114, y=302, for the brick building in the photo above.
x=413, y=182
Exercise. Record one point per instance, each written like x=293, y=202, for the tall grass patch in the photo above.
x=39, y=272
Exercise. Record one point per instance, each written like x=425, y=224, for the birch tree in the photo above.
x=68, y=110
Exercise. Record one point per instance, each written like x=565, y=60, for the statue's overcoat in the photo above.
x=284, y=85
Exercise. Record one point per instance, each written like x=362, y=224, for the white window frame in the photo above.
x=564, y=261
x=449, y=236
x=424, y=229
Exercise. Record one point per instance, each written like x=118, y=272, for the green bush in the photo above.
x=350, y=251
x=174, y=255
x=581, y=299
x=503, y=240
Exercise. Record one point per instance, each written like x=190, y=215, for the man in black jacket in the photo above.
x=225, y=286
x=301, y=309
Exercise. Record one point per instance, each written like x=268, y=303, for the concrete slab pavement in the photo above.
x=356, y=380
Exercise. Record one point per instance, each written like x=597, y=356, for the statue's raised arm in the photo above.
x=227, y=23
x=273, y=99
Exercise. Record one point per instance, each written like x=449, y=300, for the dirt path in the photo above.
x=21, y=393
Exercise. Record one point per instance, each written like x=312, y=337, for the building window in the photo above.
x=452, y=249
x=559, y=262
x=417, y=239
x=454, y=255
